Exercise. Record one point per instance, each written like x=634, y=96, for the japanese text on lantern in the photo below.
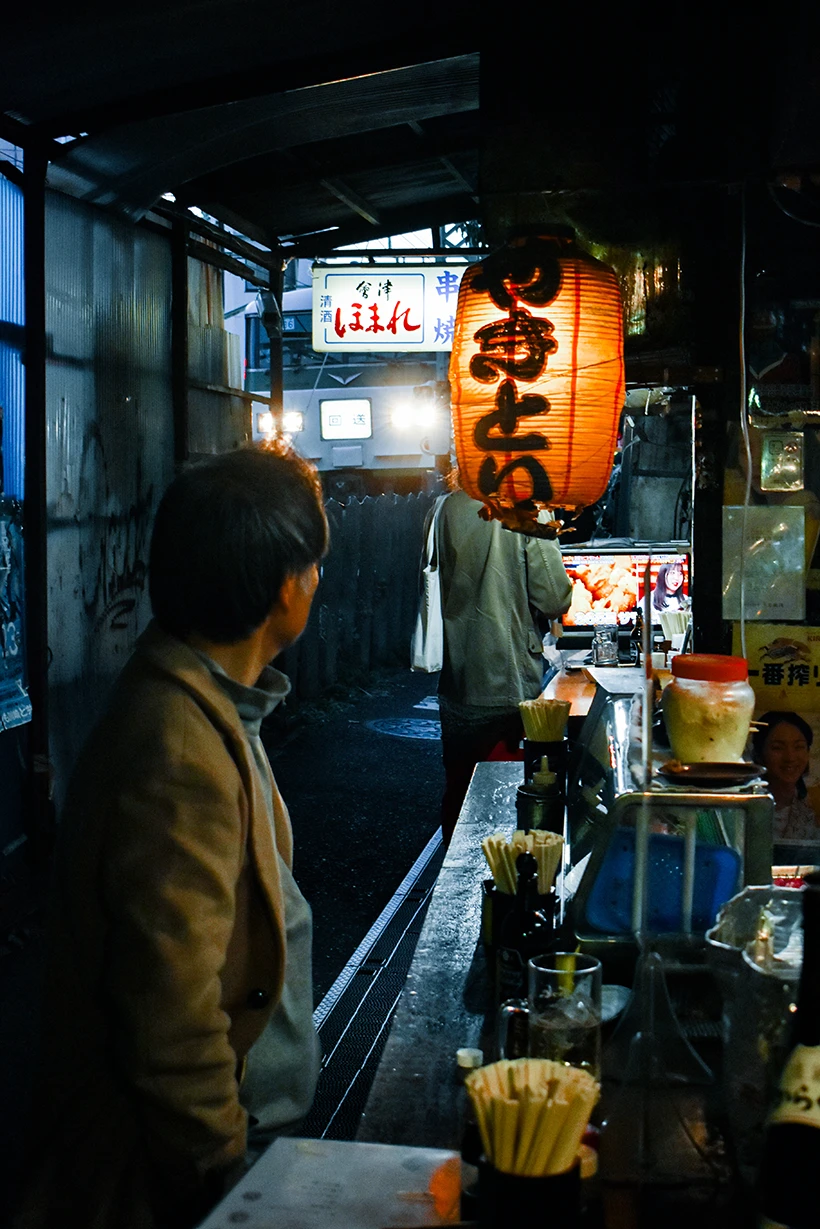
x=537, y=376
x=513, y=351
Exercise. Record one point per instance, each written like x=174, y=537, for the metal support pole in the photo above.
x=277, y=357
x=710, y=260
x=179, y=338
x=38, y=816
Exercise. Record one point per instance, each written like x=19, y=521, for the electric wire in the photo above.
x=744, y=422
x=794, y=217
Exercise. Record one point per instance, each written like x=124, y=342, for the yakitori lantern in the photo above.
x=536, y=375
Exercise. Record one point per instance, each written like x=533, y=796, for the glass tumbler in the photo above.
x=605, y=646
x=564, y=1008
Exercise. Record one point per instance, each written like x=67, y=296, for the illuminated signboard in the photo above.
x=345, y=419
x=385, y=307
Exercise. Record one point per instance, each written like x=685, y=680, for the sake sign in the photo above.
x=385, y=307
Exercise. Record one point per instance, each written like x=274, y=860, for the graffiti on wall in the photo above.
x=15, y=706
x=113, y=556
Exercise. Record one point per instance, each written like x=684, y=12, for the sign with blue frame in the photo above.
x=15, y=706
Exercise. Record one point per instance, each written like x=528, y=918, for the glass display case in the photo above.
x=659, y=860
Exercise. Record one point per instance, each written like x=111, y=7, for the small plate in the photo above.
x=717, y=775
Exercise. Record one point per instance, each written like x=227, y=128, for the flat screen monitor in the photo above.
x=608, y=588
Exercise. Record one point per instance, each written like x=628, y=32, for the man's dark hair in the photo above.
x=227, y=533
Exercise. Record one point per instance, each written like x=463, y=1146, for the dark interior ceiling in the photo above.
x=325, y=124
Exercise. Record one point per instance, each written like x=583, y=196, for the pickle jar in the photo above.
x=707, y=708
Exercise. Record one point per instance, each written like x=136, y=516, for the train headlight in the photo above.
x=407, y=415
x=265, y=423
x=403, y=416
x=293, y=421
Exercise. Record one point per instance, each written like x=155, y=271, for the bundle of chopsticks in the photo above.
x=502, y=855
x=674, y=622
x=531, y=1113
x=544, y=720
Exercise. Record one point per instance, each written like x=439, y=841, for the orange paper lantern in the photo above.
x=537, y=375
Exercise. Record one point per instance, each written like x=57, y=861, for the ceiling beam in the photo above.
x=336, y=161
x=352, y=199
x=456, y=208
x=452, y=170
x=361, y=60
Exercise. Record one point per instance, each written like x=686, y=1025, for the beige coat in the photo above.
x=167, y=954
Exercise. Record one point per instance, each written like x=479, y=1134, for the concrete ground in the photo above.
x=363, y=795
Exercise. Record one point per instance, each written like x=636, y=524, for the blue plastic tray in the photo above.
x=609, y=905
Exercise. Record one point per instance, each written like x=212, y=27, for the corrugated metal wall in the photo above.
x=12, y=318
x=217, y=422
x=12, y=401
x=109, y=447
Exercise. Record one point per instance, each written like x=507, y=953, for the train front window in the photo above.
x=346, y=418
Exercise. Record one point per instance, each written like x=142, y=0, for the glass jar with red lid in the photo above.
x=707, y=708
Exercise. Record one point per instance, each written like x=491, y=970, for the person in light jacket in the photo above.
x=179, y=1000
x=494, y=585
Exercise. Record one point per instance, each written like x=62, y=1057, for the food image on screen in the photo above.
x=602, y=589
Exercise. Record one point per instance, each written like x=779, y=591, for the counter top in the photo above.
x=575, y=687
x=415, y=1096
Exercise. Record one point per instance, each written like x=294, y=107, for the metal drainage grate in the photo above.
x=406, y=727
x=354, y=1017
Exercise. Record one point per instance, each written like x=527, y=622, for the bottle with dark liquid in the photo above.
x=526, y=931
x=787, y=1188
x=636, y=639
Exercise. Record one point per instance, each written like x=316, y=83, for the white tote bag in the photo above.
x=427, y=644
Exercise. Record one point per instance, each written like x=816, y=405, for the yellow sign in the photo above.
x=784, y=671
x=784, y=665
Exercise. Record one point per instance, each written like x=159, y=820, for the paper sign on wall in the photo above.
x=768, y=558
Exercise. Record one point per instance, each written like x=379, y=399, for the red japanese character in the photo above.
x=393, y=322
x=375, y=327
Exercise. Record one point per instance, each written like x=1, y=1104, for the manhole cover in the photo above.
x=406, y=727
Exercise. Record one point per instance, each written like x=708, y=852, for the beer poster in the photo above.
x=784, y=672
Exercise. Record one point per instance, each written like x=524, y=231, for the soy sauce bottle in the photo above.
x=525, y=932
x=636, y=639
x=787, y=1181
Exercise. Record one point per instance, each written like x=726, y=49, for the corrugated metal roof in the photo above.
x=290, y=119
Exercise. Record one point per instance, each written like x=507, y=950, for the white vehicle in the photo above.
x=358, y=436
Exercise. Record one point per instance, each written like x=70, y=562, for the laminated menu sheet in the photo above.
x=333, y=1184
x=764, y=548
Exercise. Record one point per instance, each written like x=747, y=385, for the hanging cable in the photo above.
x=744, y=421
x=794, y=216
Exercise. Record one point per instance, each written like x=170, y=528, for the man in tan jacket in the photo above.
x=179, y=993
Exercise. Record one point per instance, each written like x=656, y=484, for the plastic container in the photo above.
x=609, y=907
x=707, y=708
x=758, y=1006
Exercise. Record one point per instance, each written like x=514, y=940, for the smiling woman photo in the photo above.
x=782, y=746
x=668, y=592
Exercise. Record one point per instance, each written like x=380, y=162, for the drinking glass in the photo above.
x=564, y=1007
x=605, y=646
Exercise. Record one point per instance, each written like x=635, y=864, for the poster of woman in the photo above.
x=782, y=744
x=784, y=671
x=668, y=593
